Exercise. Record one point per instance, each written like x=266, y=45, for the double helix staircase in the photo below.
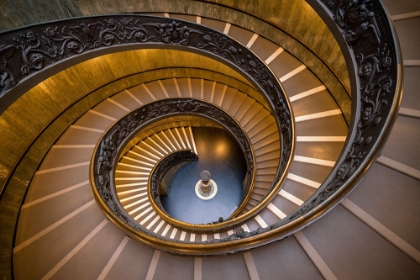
x=62, y=234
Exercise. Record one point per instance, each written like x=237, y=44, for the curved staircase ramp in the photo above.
x=318, y=129
x=60, y=194
x=257, y=122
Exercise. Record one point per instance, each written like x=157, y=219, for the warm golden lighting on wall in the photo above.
x=221, y=149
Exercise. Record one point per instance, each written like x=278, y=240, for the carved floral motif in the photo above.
x=162, y=167
x=176, y=33
x=220, y=45
x=56, y=43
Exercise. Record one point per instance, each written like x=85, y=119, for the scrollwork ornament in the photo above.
x=175, y=33
x=221, y=46
x=375, y=88
x=125, y=30
x=41, y=47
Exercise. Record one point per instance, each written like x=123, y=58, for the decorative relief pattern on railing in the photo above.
x=114, y=140
x=31, y=49
x=365, y=29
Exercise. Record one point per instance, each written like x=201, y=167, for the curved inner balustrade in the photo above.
x=160, y=170
x=113, y=142
x=370, y=108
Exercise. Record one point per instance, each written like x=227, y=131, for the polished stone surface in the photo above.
x=220, y=154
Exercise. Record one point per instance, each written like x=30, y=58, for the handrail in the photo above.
x=157, y=174
x=373, y=50
x=365, y=33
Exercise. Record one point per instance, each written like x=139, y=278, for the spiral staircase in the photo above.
x=52, y=227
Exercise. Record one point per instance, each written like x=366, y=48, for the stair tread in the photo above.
x=269, y=139
x=109, y=109
x=156, y=89
x=267, y=149
x=408, y=129
x=261, y=126
x=126, y=100
x=242, y=35
x=239, y=99
x=251, y=113
x=294, y=85
x=94, y=121
x=286, y=258
x=320, y=102
x=229, y=97
x=183, y=84
x=246, y=105
x=283, y=64
x=328, y=126
x=66, y=158
x=263, y=47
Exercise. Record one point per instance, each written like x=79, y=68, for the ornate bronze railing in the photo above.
x=363, y=30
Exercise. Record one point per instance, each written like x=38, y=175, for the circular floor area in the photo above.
x=220, y=154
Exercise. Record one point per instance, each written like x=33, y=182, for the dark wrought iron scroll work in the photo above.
x=27, y=51
x=364, y=26
x=41, y=46
x=114, y=140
